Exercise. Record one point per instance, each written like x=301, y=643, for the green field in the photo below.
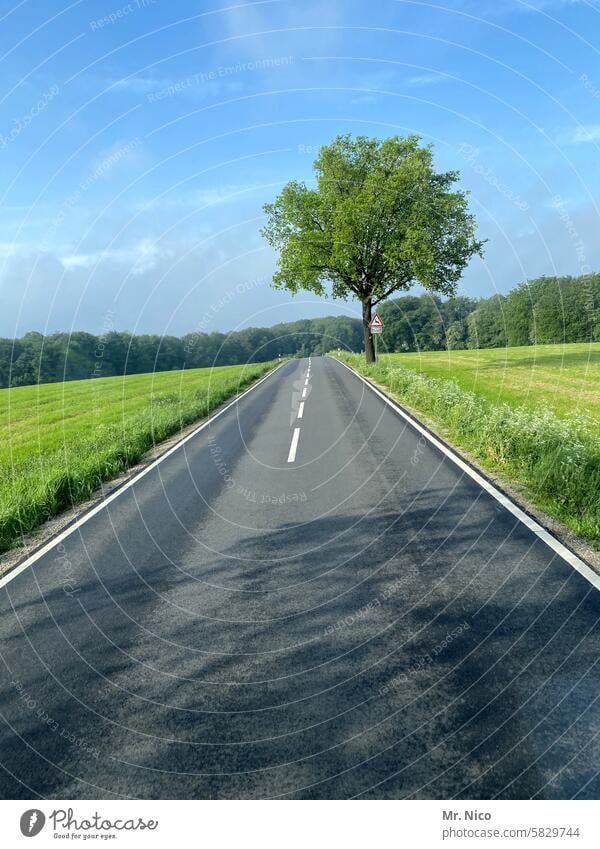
x=532, y=414
x=565, y=378
x=59, y=441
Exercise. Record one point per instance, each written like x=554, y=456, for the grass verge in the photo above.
x=60, y=441
x=565, y=378
x=556, y=459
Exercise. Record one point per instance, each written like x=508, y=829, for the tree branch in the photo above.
x=391, y=289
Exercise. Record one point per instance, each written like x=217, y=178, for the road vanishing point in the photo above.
x=308, y=597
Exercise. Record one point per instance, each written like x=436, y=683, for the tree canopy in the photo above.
x=380, y=219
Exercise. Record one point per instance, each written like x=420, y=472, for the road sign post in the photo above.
x=376, y=326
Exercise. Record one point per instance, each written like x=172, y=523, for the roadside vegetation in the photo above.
x=60, y=441
x=552, y=453
x=565, y=378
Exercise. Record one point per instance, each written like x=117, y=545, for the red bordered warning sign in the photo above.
x=376, y=324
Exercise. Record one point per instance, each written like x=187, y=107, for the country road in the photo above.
x=307, y=599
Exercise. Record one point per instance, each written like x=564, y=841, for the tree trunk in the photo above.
x=366, y=317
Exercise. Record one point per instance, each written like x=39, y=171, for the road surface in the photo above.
x=305, y=600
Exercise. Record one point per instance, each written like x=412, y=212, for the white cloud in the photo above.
x=108, y=160
x=425, y=79
x=148, y=285
x=8, y=249
x=389, y=80
x=583, y=134
x=208, y=196
x=138, y=85
x=143, y=256
x=211, y=82
x=365, y=98
x=494, y=8
x=540, y=5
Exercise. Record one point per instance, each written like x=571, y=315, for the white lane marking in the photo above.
x=294, y=445
x=306, y=382
x=304, y=392
x=301, y=410
x=76, y=525
x=572, y=559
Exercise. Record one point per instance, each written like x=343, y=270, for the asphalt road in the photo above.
x=360, y=619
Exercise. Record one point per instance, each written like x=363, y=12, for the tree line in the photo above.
x=36, y=358
x=541, y=311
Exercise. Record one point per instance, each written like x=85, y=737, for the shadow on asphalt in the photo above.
x=357, y=655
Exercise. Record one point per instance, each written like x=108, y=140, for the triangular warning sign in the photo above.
x=376, y=321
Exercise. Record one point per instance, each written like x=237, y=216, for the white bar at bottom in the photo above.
x=273, y=824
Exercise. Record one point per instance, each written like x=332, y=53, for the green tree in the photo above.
x=380, y=219
x=487, y=324
x=456, y=336
x=518, y=310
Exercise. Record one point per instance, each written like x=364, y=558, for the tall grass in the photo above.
x=564, y=377
x=556, y=458
x=59, y=442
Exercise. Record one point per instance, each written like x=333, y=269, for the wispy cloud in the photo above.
x=365, y=98
x=212, y=83
x=138, y=85
x=143, y=256
x=121, y=152
x=390, y=80
x=199, y=198
x=540, y=5
x=370, y=85
x=493, y=8
x=8, y=249
x=425, y=79
x=584, y=134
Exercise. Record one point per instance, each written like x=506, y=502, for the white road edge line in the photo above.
x=304, y=392
x=294, y=445
x=85, y=518
x=572, y=559
x=301, y=410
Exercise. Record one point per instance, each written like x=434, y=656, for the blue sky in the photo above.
x=139, y=140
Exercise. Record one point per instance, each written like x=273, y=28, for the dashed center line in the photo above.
x=294, y=445
x=296, y=433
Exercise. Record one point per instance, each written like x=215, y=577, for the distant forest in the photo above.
x=549, y=309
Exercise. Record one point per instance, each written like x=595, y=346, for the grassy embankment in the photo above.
x=59, y=441
x=532, y=414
